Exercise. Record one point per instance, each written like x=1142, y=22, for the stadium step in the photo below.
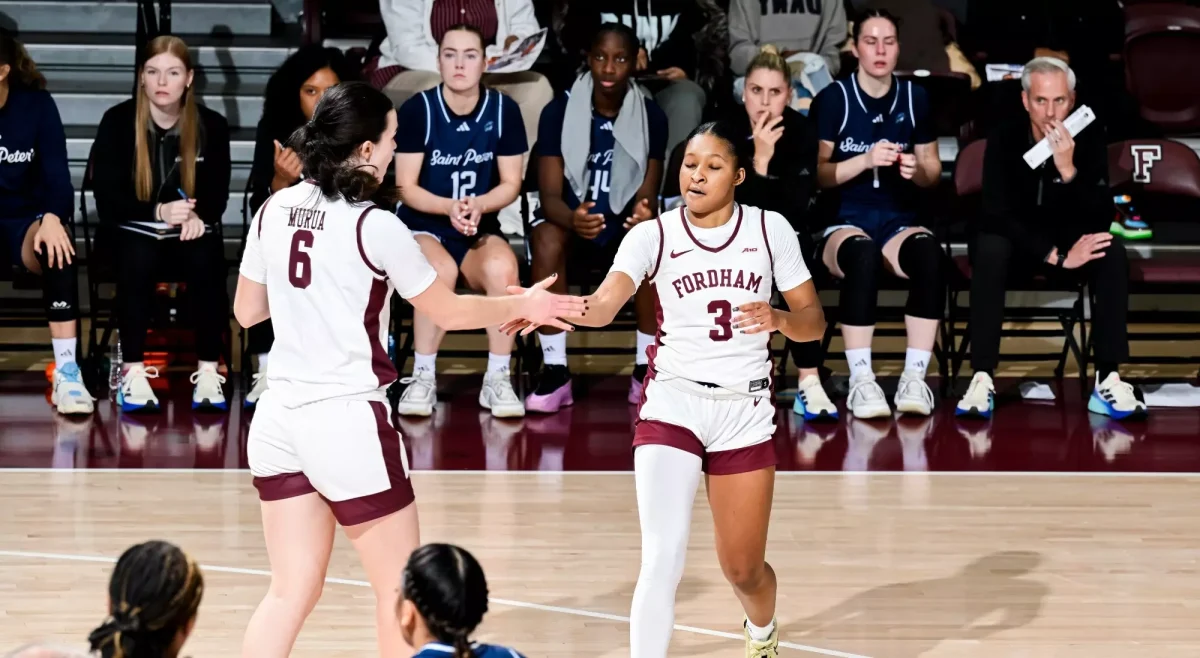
x=241, y=17
x=83, y=103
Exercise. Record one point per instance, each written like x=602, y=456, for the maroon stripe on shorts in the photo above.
x=383, y=367
x=400, y=492
x=658, y=433
x=741, y=460
x=283, y=486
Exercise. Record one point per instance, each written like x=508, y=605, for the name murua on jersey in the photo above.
x=307, y=218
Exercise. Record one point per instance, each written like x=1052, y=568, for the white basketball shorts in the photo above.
x=730, y=433
x=345, y=450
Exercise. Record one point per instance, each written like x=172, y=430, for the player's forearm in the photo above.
x=833, y=174
x=418, y=198
x=804, y=325
x=477, y=312
x=499, y=197
x=929, y=171
x=607, y=301
x=250, y=305
x=556, y=212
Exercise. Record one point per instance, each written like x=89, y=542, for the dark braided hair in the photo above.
x=154, y=592
x=348, y=115
x=446, y=585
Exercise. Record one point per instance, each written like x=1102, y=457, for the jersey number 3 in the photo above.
x=724, y=312
x=300, y=263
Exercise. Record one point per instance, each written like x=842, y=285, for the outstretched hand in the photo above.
x=541, y=307
x=755, y=318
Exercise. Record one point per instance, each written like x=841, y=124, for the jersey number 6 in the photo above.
x=300, y=263
x=724, y=312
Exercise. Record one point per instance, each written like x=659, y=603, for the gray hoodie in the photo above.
x=811, y=26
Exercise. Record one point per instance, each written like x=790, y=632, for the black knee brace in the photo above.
x=921, y=259
x=60, y=289
x=859, y=259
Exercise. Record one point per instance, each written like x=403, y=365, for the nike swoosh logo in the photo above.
x=677, y=254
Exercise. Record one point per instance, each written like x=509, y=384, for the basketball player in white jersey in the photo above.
x=708, y=403
x=322, y=263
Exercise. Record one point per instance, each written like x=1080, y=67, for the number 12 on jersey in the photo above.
x=464, y=182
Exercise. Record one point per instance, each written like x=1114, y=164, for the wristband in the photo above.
x=1062, y=258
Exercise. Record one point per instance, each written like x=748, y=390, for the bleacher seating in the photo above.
x=1162, y=45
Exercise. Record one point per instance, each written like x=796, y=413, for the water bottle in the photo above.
x=114, y=366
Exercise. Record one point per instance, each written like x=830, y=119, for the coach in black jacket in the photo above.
x=1052, y=220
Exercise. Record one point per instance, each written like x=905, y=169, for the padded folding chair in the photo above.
x=968, y=182
x=1162, y=45
x=1163, y=178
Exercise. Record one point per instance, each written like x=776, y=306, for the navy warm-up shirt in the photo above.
x=34, y=178
x=600, y=156
x=460, y=151
x=854, y=122
x=439, y=650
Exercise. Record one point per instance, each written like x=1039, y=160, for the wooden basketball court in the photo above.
x=881, y=565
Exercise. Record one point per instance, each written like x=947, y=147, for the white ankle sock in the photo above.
x=643, y=341
x=498, y=362
x=425, y=362
x=860, y=362
x=262, y=361
x=554, y=348
x=760, y=634
x=917, y=360
x=64, y=351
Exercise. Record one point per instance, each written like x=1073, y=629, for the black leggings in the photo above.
x=861, y=260
x=200, y=263
x=60, y=287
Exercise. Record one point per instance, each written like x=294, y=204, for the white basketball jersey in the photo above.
x=330, y=268
x=699, y=289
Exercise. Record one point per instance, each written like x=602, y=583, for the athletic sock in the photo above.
x=64, y=351
x=760, y=634
x=917, y=360
x=643, y=341
x=498, y=362
x=554, y=348
x=860, y=362
x=262, y=362
x=425, y=362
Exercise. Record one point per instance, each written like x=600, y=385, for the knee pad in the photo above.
x=859, y=259
x=60, y=291
x=921, y=259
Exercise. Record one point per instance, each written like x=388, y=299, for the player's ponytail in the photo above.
x=446, y=585
x=347, y=116
x=153, y=596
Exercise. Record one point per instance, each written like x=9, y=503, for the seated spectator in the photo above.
x=782, y=150
x=600, y=159
x=291, y=96
x=458, y=162
x=443, y=598
x=153, y=597
x=876, y=148
x=667, y=60
x=135, y=143
x=409, y=60
x=929, y=41
x=36, y=206
x=808, y=40
x=1052, y=220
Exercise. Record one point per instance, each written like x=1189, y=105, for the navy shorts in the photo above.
x=879, y=225
x=12, y=236
x=456, y=244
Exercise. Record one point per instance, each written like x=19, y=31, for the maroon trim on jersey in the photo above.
x=262, y=211
x=380, y=363
x=399, y=493
x=732, y=236
x=661, y=239
x=742, y=460
x=283, y=486
x=363, y=252
x=767, y=241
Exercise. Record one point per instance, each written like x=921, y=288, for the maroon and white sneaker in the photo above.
x=553, y=391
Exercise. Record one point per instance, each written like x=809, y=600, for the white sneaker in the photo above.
x=913, y=395
x=866, y=399
x=135, y=393
x=1115, y=398
x=208, y=393
x=812, y=401
x=498, y=395
x=258, y=386
x=980, y=399
x=69, y=394
x=420, y=394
